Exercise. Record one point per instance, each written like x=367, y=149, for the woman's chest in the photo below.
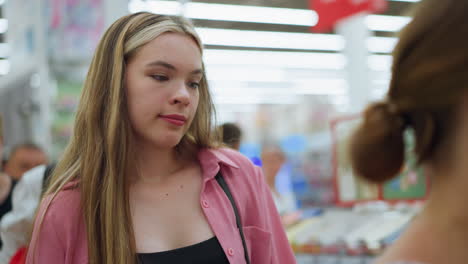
x=169, y=217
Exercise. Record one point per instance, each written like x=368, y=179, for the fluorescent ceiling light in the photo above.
x=158, y=7
x=224, y=12
x=379, y=93
x=306, y=60
x=255, y=100
x=380, y=62
x=3, y=25
x=283, y=40
x=321, y=87
x=4, y=50
x=381, y=82
x=253, y=14
x=231, y=109
x=269, y=39
x=246, y=74
x=4, y=67
x=386, y=23
x=306, y=87
x=270, y=76
x=381, y=44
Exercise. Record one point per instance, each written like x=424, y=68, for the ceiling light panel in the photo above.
x=3, y=25
x=380, y=62
x=386, y=23
x=381, y=44
x=4, y=67
x=4, y=50
x=224, y=12
x=269, y=39
x=307, y=60
x=255, y=14
x=251, y=14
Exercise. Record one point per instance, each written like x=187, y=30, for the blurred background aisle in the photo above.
x=282, y=81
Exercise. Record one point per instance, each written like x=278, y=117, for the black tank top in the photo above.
x=206, y=252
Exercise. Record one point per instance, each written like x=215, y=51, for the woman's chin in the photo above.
x=168, y=142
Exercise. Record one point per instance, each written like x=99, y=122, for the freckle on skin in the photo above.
x=181, y=186
x=167, y=194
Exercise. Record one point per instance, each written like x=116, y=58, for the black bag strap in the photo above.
x=219, y=178
x=47, y=173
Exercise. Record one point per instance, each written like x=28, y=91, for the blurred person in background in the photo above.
x=5, y=180
x=231, y=135
x=429, y=95
x=23, y=157
x=1, y=143
x=141, y=180
x=273, y=158
x=16, y=225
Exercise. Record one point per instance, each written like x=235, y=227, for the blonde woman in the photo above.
x=140, y=179
x=429, y=94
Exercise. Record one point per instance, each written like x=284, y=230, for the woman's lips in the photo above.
x=178, y=120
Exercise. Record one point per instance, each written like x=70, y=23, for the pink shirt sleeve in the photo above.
x=46, y=246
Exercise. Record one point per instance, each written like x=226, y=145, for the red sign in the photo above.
x=331, y=11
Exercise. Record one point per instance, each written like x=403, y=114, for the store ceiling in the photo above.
x=395, y=8
x=236, y=50
x=266, y=63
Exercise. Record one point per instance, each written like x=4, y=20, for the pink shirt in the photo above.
x=62, y=238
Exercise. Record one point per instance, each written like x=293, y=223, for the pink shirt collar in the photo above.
x=210, y=160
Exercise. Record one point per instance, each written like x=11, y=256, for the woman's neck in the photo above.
x=439, y=234
x=442, y=226
x=156, y=165
x=447, y=205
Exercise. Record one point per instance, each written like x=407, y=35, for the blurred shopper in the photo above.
x=142, y=180
x=231, y=135
x=5, y=180
x=22, y=158
x=429, y=95
x=15, y=226
x=273, y=159
x=1, y=143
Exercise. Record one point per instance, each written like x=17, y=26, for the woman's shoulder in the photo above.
x=64, y=204
x=230, y=156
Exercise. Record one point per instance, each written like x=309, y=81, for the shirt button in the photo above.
x=205, y=204
x=231, y=252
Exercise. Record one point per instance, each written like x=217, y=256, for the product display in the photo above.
x=358, y=234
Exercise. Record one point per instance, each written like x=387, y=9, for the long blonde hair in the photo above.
x=99, y=155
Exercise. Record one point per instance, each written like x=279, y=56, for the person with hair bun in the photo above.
x=428, y=94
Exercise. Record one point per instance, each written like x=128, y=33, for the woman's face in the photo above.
x=162, y=83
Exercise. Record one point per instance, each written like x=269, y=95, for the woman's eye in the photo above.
x=160, y=78
x=194, y=85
